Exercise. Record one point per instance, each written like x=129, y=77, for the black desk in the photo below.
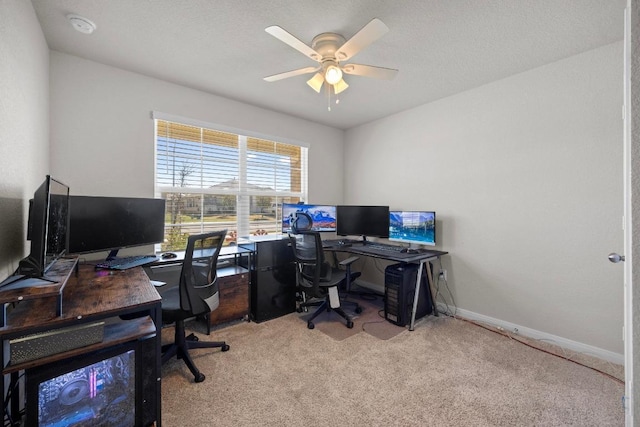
x=421, y=257
x=226, y=252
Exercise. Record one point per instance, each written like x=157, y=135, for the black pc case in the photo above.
x=399, y=289
x=273, y=278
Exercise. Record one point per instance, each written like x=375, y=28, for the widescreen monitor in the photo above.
x=413, y=227
x=371, y=221
x=323, y=216
x=111, y=223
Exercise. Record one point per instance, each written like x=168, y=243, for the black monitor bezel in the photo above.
x=41, y=230
x=363, y=220
x=105, y=235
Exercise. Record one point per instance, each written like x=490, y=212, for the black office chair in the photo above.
x=196, y=295
x=317, y=278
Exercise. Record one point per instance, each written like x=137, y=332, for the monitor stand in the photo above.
x=23, y=281
x=113, y=254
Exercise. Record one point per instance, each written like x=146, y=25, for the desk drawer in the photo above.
x=234, y=299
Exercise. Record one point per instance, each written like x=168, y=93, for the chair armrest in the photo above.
x=349, y=260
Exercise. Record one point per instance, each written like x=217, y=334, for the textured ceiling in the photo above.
x=441, y=47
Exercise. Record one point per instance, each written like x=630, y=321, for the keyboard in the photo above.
x=339, y=242
x=222, y=263
x=383, y=247
x=123, y=263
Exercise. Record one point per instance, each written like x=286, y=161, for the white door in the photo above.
x=627, y=264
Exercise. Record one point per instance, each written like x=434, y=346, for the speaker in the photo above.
x=399, y=291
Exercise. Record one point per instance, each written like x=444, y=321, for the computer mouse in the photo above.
x=409, y=251
x=168, y=255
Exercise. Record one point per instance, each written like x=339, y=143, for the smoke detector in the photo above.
x=81, y=24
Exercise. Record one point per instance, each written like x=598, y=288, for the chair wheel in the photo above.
x=310, y=325
x=195, y=338
x=199, y=378
x=299, y=310
x=349, y=324
x=358, y=310
x=225, y=347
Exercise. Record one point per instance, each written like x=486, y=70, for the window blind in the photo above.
x=214, y=180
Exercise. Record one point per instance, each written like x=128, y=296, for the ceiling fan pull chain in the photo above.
x=328, y=90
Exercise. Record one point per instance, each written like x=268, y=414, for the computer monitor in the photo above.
x=323, y=216
x=413, y=227
x=47, y=229
x=112, y=223
x=372, y=221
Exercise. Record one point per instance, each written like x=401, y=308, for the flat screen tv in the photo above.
x=365, y=221
x=47, y=229
x=111, y=223
x=323, y=216
x=413, y=227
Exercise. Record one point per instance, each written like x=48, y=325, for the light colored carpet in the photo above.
x=446, y=372
x=370, y=320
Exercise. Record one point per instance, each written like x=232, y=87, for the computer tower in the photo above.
x=273, y=278
x=399, y=289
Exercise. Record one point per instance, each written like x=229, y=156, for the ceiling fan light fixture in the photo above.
x=333, y=74
x=316, y=82
x=340, y=86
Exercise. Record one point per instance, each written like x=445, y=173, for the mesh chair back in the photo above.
x=309, y=257
x=199, y=272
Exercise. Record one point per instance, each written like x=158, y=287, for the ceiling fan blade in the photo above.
x=370, y=71
x=292, y=41
x=363, y=38
x=292, y=73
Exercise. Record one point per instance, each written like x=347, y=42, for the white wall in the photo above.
x=102, y=140
x=24, y=124
x=525, y=175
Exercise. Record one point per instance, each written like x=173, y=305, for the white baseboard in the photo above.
x=538, y=335
x=568, y=344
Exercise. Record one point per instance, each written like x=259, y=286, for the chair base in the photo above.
x=325, y=306
x=181, y=346
x=356, y=306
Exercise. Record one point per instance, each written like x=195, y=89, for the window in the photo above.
x=215, y=180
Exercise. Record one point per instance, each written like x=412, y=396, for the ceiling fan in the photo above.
x=331, y=50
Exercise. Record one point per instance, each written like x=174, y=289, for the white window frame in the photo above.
x=243, y=193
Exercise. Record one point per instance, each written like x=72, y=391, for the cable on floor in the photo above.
x=504, y=334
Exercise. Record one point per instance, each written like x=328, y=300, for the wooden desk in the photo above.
x=233, y=282
x=89, y=296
